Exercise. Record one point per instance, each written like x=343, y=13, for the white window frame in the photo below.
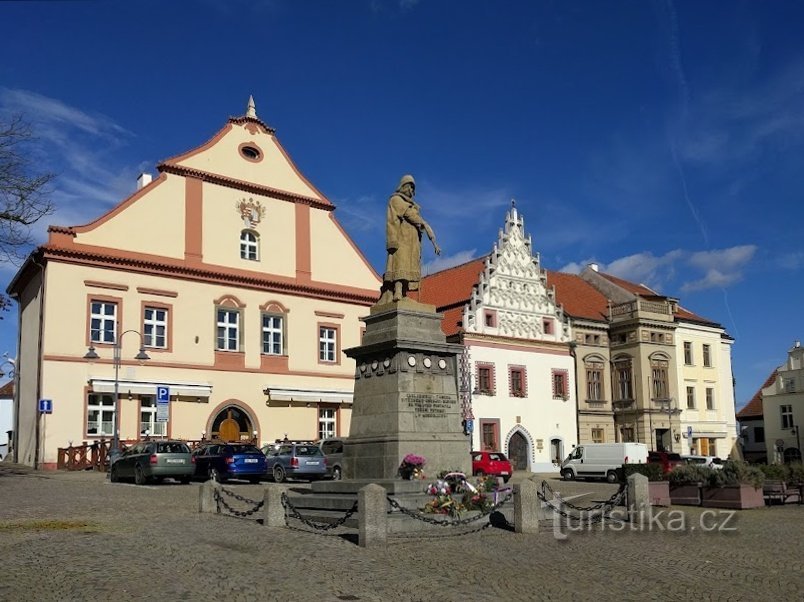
x=102, y=406
x=688, y=357
x=327, y=344
x=249, y=245
x=327, y=422
x=273, y=338
x=106, y=330
x=710, y=398
x=148, y=418
x=786, y=412
x=707, y=356
x=227, y=334
x=154, y=329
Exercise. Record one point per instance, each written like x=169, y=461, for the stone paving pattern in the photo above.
x=150, y=543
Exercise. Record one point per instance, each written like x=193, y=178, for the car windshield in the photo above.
x=307, y=450
x=240, y=449
x=498, y=457
x=172, y=447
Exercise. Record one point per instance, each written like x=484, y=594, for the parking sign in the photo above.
x=162, y=394
x=162, y=403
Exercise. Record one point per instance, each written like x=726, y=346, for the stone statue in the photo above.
x=403, y=241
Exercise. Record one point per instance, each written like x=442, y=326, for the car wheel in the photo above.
x=568, y=474
x=139, y=475
x=611, y=476
x=337, y=475
x=114, y=477
x=279, y=474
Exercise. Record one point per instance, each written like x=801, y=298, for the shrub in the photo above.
x=737, y=473
x=796, y=473
x=775, y=472
x=652, y=471
x=691, y=473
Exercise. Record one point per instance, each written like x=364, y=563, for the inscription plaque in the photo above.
x=430, y=405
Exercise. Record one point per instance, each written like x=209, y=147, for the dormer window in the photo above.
x=249, y=245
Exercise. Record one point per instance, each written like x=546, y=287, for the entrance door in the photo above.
x=556, y=451
x=232, y=424
x=518, y=451
x=229, y=430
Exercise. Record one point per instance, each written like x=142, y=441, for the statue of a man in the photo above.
x=403, y=233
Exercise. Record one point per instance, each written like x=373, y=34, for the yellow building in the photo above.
x=230, y=272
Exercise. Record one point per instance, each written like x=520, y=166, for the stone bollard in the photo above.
x=638, y=498
x=206, y=496
x=528, y=510
x=372, y=509
x=273, y=512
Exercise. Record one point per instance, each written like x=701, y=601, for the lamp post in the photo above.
x=114, y=452
x=794, y=429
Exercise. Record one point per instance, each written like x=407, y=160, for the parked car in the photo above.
x=668, y=460
x=153, y=461
x=491, y=463
x=333, y=452
x=709, y=461
x=295, y=461
x=222, y=461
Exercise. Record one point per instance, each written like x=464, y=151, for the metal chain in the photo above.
x=445, y=523
x=596, y=518
x=241, y=513
x=429, y=534
x=291, y=512
x=612, y=501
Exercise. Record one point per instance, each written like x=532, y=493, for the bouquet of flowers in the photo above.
x=442, y=502
x=411, y=467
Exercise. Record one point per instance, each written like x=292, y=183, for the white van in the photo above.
x=601, y=460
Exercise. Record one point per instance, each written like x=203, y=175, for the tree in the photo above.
x=23, y=192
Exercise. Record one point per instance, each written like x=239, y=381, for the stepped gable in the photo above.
x=753, y=409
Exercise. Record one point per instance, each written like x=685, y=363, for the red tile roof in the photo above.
x=7, y=390
x=451, y=286
x=753, y=409
x=636, y=289
x=579, y=298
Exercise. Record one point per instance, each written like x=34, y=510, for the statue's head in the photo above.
x=407, y=179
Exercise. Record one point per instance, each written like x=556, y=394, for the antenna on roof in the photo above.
x=251, y=110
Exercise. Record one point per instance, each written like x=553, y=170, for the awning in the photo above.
x=142, y=387
x=309, y=395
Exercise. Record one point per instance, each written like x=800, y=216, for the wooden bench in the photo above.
x=781, y=492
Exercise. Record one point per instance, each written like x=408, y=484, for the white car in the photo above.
x=709, y=461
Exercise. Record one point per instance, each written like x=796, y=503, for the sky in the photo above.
x=661, y=139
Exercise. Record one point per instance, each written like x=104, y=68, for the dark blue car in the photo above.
x=223, y=461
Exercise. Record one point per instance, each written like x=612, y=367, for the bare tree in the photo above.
x=23, y=192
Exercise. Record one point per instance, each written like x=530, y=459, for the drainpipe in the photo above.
x=572, y=346
x=40, y=361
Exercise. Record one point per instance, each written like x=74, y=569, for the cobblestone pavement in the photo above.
x=105, y=541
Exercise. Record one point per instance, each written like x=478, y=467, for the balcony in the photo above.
x=642, y=308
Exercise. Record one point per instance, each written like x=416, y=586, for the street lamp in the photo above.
x=91, y=355
x=794, y=429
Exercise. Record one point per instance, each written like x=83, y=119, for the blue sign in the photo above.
x=162, y=394
x=470, y=426
x=689, y=432
x=45, y=406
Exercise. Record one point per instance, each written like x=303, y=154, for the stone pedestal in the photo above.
x=405, y=396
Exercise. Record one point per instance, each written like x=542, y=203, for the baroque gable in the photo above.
x=512, y=298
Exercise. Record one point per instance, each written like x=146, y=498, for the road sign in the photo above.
x=162, y=403
x=470, y=426
x=162, y=394
x=45, y=406
x=689, y=432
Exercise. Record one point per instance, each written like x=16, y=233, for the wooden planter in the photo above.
x=737, y=497
x=659, y=493
x=685, y=494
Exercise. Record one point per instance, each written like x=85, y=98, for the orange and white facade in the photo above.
x=231, y=271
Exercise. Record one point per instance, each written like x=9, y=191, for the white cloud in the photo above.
x=443, y=262
x=723, y=259
x=646, y=268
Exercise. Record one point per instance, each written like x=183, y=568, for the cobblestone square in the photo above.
x=109, y=541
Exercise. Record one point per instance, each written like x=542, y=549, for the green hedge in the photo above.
x=652, y=471
x=793, y=474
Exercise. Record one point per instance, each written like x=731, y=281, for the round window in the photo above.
x=250, y=152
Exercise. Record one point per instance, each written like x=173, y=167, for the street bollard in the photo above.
x=372, y=508
x=638, y=498
x=273, y=512
x=206, y=496
x=528, y=510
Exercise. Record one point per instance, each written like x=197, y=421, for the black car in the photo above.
x=223, y=461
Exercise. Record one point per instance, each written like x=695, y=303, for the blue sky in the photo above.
x=663, y=140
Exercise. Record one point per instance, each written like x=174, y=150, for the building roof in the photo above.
x=451, y=286
x=579, y=298
x=636, y=289
x=7, y=390
x=753, y=409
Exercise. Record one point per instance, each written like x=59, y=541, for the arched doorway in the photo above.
x=518, y=451
x=232, y=424
x=791, y=454
x=556, y=451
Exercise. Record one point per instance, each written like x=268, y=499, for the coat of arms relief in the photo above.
x=251, y=211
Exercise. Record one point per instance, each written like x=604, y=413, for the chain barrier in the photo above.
x=291, y=512
x=446, y=523
x=614, y=500
x=586, y=513
x=221, y=501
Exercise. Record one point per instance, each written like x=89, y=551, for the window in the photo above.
x=622, y=370
x=789, y=385
x=249, y=245
x=490, y=318
x=707, y=356
x=326, y=423
x=688, y=353
x=759, y=434
x=148, y=423
x=628, y=434
x=327, y=343
x=787, y=416
x=517, y=381
x=710, y=398
x=272, y=334
x=594, y=381
x=154, y=327
x=488, y=435
x=659, y=373
x=560, y=384
x=598, y=436
x=228, y=338
x=591, y=339
x=100, y=414
x=103, y=322
x=485, y=379
x=690, y=398
x=547, y=324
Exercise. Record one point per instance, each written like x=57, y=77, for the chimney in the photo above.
x=594, y=267
x=143, y=180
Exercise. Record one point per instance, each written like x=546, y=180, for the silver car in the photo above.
x=295, y=461
x=333, y=452
x=153, y=461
